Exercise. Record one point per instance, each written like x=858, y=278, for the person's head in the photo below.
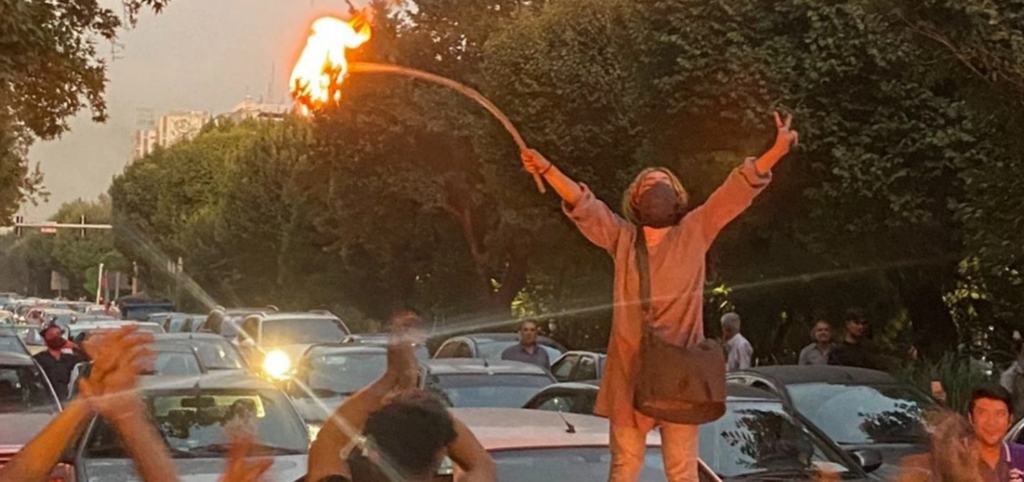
x=410, y=433
x=730, y=325
x=822, y=332
x=990, y=414
x=53, y=337
x=655, y=198
x=856, y=323
x=528, y=331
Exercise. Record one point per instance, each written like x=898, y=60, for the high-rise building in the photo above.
x=168, y=130
x=251, y=109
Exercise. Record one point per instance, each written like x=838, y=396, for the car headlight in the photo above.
x=314, y=430
x=277, y=364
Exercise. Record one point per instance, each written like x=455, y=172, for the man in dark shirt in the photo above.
x=852, y=352
x=528, y=350
x=57, y=361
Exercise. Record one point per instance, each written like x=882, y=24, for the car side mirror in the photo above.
x=868, y=459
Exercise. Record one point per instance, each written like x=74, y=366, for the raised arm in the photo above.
x=744, y=184
x=348, y=421
x=569, y=190
x=471, y=460
x=38, y=457
x=592, y=217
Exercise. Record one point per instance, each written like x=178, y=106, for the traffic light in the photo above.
x=17, y=225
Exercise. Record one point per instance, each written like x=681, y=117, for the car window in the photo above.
x=333, y=374
x=864, y=414
x=199, y=425
x=176, y=363
x=462, y=350
x=557, y=403
x=217, y=354
x=761, y=438
x=563, y=368
x=587, y=369
x=23, y=389
x=487, y=391
x=447, y=350
x=10, y=343
x=250, y=329
x=302, y=331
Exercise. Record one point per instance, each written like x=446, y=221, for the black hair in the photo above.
x=42, y=332
x=854, y=314
x=991, y=392
x=408, y=432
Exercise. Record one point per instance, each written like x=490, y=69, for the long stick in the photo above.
x=372, y=68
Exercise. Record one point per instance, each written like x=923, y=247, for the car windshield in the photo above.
x=487, y=391
x=491, y=350
x=300, y=331
x=216, y=354
x=332, y=374
x=864, y=414
x=760, y=437
x=198, y=425
x=175, y=360
x=24, y=389
x=570, y=464
x=9, y=343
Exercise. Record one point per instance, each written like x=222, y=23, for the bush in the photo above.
x=959, y=375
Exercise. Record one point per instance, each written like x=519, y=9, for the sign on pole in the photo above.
x=59, y=282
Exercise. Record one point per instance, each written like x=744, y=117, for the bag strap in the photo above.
x=643, y=267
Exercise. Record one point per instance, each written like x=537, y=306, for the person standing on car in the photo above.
x=58, y=360
x=1013, y=379
x=853, y=350
x=528, y=350
x=817, y=353
x=656, y=213
x=739, y=349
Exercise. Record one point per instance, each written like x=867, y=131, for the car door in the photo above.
x=563, y=368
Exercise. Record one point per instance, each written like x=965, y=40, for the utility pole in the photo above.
x=99, y=284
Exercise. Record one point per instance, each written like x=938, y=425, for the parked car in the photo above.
x=138, y=308
x=381, y=339
x=325, y=375
x=470, y=382
x=532, y=445
x=489, y=346
x=192, y=415
x=568, y=397
x=272, y=342
x=758, y=438
x=578, y=366
x=27, y=404
x=87, y=327
x=857, y=408
x=182, y=322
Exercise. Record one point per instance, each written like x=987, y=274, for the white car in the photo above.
x=531, y=445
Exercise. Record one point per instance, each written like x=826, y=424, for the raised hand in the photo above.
x=786, y=138
x=534, y=162
x=118, y=358
x=241, y=469
x=405, y=334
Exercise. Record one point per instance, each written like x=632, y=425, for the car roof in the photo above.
x=585, y=352
x=188, y=336
x=737, y=392
x=15, y=359
x=583, y=385
x=449, y=366
x=294, y=315
x=503, y=429
x=338, y=348
x=222, y=380
x=795, y=374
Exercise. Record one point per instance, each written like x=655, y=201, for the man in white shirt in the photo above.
x=740, y=350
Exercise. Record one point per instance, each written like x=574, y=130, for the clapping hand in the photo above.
x=118, y=358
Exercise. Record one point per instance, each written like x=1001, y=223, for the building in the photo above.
x=250, y=109
x=168, y=130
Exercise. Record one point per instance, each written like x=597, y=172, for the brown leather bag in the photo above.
x=675, y=384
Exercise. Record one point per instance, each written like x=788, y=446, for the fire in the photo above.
x=322, y=66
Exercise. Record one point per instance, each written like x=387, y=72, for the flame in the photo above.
x=322, y=66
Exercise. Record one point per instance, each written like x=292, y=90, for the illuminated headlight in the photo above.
x=276, y=364
x=314, y=430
